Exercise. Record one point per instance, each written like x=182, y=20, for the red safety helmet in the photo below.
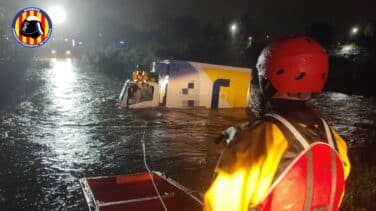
x=294, y=65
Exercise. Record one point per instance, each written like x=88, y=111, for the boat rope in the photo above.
x=217, y=164
x=150, y=173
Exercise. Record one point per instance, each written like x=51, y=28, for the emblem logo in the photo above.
x=32, y=27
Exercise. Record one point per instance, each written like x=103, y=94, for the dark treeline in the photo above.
x=352, y=57
x=14, y=60
x=184, y=38
x=187, y=38
x=118, y=49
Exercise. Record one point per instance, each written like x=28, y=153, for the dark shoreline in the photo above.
x=360, y=190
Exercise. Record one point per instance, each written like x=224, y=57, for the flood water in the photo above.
x=69, y=128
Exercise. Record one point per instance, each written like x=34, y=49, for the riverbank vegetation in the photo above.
x=14, y=61
x=352, y=57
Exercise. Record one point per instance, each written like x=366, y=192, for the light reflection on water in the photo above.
x=63, y=82
x=69, y=128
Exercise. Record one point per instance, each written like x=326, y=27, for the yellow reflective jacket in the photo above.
x=250, y=163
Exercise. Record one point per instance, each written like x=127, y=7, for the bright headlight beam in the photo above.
x=57, y=14
x=233, y=27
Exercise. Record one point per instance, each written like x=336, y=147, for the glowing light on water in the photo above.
x=347, y=49
x=338, y=96
x=62, y=74
x=65, y=96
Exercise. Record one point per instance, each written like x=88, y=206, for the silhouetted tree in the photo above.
x=370, y=37
x=322, y=32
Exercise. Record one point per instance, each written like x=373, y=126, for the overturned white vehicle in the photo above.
x=183, y=84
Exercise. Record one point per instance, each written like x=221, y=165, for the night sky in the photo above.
x=272, y=16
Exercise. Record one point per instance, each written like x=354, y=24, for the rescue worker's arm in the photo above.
x=342, y=151
x=247, y=169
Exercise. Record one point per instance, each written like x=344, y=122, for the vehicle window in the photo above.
x=140, y=93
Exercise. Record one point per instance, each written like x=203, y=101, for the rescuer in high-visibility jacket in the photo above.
x=290, y=159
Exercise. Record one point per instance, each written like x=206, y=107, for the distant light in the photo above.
x=73, y=43
x=66, y=39
x=68, y=52
x=57, y=14
x=80, y=43
x=347, y=49
x=250, y=41
x=53, y=52
x=153, y=67
x=355, y=30
x=267, y=36
x=233, y=27
x=122, y=42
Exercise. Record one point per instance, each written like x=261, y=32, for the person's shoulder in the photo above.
x=258, y=126
x=237, y=133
